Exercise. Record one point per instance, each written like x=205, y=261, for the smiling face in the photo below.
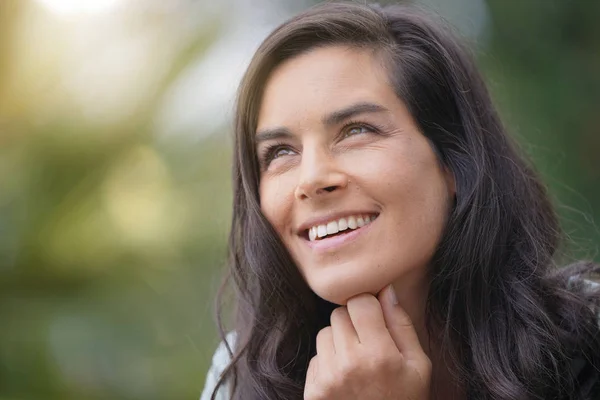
x=337, y=150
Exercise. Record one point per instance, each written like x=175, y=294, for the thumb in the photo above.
x=399, y=324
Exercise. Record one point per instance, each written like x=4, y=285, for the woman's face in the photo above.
x=353, y=188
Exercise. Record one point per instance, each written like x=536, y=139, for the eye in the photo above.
x=279, y=152
x=274, y=151
x=355, y=130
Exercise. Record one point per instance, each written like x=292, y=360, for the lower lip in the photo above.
x=335, y=242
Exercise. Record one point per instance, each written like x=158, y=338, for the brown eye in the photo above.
x=356, y=130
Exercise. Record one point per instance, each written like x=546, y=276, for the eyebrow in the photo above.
x=340, y=116
x=334, y=118
x=273, y=134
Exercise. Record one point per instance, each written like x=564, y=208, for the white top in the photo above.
x=221, y=359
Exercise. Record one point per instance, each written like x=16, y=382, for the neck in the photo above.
x=413, y=299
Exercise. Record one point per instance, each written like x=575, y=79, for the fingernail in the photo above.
x=392, y=294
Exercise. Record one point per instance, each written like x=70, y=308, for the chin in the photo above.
x=339, y=291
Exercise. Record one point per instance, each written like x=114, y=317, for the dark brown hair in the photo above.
x=515, y=326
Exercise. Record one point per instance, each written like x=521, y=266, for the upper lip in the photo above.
x=324, y=219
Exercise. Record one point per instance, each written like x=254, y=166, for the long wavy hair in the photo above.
x=514, y=325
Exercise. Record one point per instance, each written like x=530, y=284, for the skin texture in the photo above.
x=370, y=352
x=377, y=161
x=392, y=171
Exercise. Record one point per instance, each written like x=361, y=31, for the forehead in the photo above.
x=321, y=80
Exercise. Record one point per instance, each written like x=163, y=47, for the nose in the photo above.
x=320, y=175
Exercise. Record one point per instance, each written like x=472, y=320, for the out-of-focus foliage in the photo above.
x=113, y=233
x=543, y=64
x=111, y=238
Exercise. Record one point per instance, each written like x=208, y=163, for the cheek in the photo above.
x=276, y=201
x=409, y=183
x=411, y=173
x=420, y=194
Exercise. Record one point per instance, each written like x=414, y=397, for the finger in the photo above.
x=367, y=318
x=399, y=324
x=312, y=371
x=325, y=345
x=311, y=384
x=344, y=334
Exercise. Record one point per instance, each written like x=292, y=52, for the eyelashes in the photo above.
x=269, y=153
x=276, y=150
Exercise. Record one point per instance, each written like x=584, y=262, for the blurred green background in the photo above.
x=115, y=161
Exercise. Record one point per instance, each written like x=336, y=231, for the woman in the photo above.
x=388, y=239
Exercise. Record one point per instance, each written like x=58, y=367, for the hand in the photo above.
x=370, y=352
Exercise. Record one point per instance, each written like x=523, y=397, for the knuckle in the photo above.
x=348, y=368
x=427, y=362
x=426, y=366
x=422, y=368
x=346, y=373
x=387, y=363
x=380, y=361
x=423, y=364
x=324, y=333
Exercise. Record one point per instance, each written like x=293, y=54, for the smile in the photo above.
x=334, y=227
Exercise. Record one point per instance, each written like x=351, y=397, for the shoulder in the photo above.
x=592, y=285
x=588, y=285
x=220, y=361
x=584, y=366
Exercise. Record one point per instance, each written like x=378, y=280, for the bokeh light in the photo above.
x=68, y=7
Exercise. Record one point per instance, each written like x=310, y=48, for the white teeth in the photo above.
x=312, y=233
x=321, y=231
x=352, y=222
x=333, y=227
